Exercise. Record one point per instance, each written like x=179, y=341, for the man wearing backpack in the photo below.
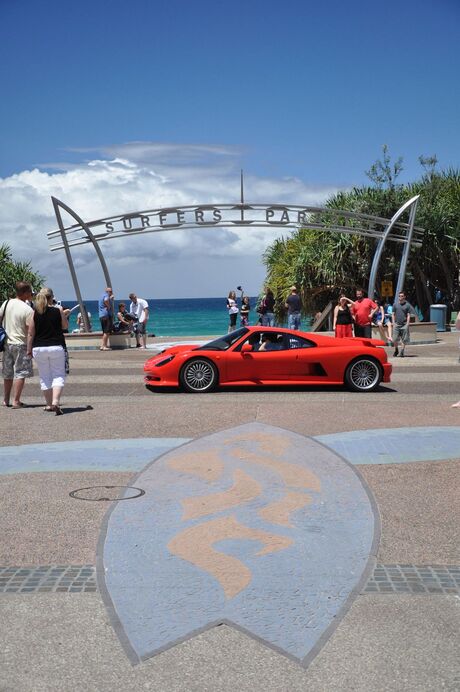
x=16, y=315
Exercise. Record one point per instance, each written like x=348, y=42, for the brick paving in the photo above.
x=390, y=578
x=420, y=579
x=48, y=578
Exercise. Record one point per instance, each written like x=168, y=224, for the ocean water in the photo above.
x=178, y=316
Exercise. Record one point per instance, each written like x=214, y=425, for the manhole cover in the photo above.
x=107, y=493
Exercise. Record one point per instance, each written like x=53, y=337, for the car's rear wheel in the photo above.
x=363, y=375
x=199, y=375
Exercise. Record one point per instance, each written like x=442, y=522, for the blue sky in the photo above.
x=296, y=91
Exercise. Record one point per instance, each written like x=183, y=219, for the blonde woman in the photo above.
x=45, y=342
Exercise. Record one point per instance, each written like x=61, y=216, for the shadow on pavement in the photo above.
x=269, y=388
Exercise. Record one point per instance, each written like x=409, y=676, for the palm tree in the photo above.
x=323, y=264
x=12, y=271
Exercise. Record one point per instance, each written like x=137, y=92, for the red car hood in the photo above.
x=174, y=350
x=171, y=351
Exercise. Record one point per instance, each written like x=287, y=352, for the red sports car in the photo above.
x=260, y=356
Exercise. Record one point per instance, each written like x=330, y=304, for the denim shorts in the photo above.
x=17, y=365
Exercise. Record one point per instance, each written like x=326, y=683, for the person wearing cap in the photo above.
x=294, y=308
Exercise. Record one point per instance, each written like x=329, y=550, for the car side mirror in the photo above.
x=246, y=348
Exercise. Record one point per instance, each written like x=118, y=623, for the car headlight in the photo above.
x=164, y=361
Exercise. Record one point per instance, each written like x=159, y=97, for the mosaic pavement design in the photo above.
x=255, y=526
x=380, y=446
x=87, y=455
x=251, y=520
x=395, y=445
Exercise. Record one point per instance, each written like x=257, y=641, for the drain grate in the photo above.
x=107, y=493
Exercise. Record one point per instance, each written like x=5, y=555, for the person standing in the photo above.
x=343, y=319
x=402, y=310
x=232, y=308
x=140, y=309
x=46, y=343
x=106, y=317
x=294, y=308
x=387, y=321
x=81, y=324
x=363, y=310
x=268, y=302
x=378, y=319
x=16, y=317
x=244, y=311
x=457, y=327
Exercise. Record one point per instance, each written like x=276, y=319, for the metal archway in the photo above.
x=241, y=215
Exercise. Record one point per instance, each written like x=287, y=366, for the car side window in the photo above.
x=271, y=341
x=253, y=340
x=298, y=342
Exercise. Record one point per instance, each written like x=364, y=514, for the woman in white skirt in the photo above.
x=45, y=342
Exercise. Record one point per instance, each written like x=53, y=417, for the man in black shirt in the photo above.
x=294, y=308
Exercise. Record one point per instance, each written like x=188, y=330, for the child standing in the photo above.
x=245, y=308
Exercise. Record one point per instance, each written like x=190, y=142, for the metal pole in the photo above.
x=87, y=230
x=241, y=196
x=73, y=274
x=382, y=241
x=57, y=203
x=405, y=254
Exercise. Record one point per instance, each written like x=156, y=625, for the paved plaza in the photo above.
x=277, y=540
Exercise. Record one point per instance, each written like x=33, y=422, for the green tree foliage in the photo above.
x=323, y=264
x=12, y=271
x=383, y=173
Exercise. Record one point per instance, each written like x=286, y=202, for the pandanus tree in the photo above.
x=324, y=264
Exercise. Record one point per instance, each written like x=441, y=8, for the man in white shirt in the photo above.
x=16, y=316
x=140, y=309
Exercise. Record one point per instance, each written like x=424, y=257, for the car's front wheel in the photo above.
x=363, y=375
x=199, y=375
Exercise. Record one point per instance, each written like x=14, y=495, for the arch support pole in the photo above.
x=383, y=239
x=73, y=273
x=405, y=255
x=57, y=204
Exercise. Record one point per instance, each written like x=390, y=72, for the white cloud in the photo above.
x=147, y=175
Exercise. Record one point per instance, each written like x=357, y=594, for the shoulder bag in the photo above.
x=3, y=334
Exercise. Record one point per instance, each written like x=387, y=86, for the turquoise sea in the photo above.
x=178, y=316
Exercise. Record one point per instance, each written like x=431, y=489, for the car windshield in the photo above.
x=224, y=342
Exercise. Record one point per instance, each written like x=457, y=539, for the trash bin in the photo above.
x=438, y=314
